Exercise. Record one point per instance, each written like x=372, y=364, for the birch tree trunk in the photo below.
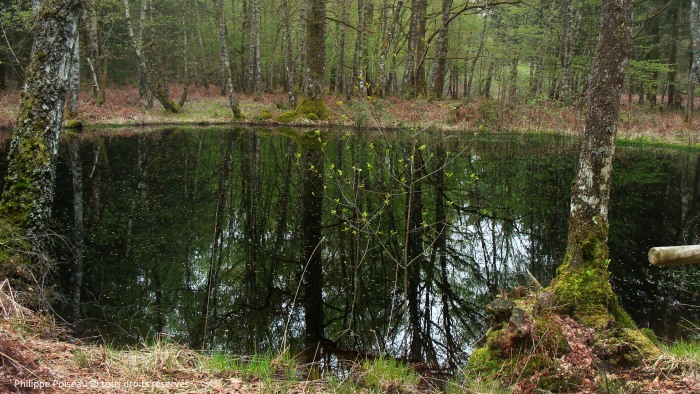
x=289, y=65
x=223, y=52
x=585, y=266
x=381, y=81
x=28, y=193
x=74, y=77
x=359, y=64
x=145, y=82
x=254, y=69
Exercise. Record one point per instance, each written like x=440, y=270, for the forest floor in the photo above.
x=38, y=355
x=643, y=124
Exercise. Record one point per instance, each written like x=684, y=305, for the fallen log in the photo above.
x=675, y=255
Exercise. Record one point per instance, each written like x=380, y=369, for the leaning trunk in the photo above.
x=29, y=189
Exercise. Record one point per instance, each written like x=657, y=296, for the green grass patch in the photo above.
x=388, y=373
x=684, y=348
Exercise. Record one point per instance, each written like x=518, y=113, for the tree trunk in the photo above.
x=340, y=73
x=673, y=102
x=387, y=40
x=359, y=63
x=223, y=52
x=95, y=54
x=74, y=78
x=145, y=80
x=315, y=58
x=477, y=55
x=440, y=63
x=289, y=66
x=254, y=69
x=185, y=58
x=695, y=70
x=585, y=267
x=28, y=193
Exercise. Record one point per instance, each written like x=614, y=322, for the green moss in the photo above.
x=73, y=124
x=265, y=114
x=309, y=107
x=485, y=362
x=647, y=332
x=289, y=116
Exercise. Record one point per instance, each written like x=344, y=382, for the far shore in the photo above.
x=638, y=124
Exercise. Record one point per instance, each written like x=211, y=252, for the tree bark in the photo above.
x=145, y=80
x=587, y=248
x=695, y=36
x=289, y=65
x=440, y=63
x=254, y=69
x=226, y=65
x=315, y=49
x=28, y=193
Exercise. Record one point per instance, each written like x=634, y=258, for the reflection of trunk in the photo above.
x=78, y=229
x=312, y=264
x=413, y=253
x=690, y=201
x=252, y=235
x=440, y=249
x=215, y=260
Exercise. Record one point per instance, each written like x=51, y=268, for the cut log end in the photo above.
x=674, y=255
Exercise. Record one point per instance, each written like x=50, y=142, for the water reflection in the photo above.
x=256, y=240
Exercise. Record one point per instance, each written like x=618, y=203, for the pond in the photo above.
x=253, y=240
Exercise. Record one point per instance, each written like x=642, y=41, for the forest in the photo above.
x=330, y=196
x=511, y=51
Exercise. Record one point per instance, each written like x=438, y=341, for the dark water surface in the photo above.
x=251, y=240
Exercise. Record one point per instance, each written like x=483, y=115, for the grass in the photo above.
x=685, y=349
x=640, y=125
x=388, y=373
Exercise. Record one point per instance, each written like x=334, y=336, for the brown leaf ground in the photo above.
x=207, y=106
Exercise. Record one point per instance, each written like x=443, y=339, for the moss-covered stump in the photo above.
x=308, y=108
x=533, y=343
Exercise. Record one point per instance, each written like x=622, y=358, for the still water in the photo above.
x=252, y=240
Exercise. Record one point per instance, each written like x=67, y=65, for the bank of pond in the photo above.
x=252, y=241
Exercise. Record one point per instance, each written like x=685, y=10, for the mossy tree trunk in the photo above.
x=28, y=193
x=582, y=280
x=312, y=103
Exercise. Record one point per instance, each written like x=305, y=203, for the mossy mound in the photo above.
x=308, y=108
x=534, y=344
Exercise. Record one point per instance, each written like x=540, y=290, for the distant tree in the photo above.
x=695, y=35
